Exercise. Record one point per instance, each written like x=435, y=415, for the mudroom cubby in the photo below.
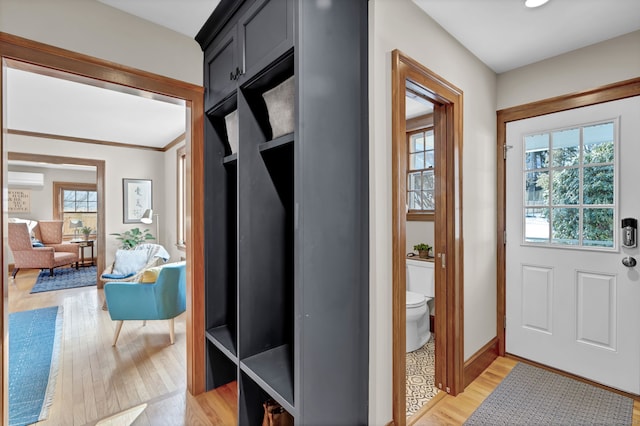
x=286, y=247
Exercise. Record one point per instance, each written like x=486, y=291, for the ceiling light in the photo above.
x=534, y=3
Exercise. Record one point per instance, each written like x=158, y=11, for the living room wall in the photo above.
x=41, y=201
x=119, y=163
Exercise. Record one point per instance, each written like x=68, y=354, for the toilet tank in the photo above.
x=420, y=277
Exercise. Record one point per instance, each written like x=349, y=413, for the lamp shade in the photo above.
x=75, y=223
x=147, y=216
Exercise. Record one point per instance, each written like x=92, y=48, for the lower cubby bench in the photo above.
x=262, y=377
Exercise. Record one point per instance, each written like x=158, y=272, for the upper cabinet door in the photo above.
x=265, y=32
x=221, y=69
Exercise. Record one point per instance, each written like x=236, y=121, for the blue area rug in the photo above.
x=65, y=278
x=34, y=349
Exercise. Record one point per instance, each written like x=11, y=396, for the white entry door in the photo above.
x=571, y=303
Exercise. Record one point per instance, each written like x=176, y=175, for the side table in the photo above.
x=83, y=245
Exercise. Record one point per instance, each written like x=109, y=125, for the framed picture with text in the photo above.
x=137, y=197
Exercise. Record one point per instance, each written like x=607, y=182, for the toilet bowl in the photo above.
x=420, y=290
x=418, y=332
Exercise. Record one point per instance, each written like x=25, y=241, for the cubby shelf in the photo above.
x=271, y=370
x=282, y=141
x=230, y=159
x=221, y=337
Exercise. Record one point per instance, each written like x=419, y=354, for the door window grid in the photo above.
x=570, y=187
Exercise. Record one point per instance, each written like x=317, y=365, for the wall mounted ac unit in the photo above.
x=26, y=179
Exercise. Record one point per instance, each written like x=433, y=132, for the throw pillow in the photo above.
x=128, y=261
x=150, y=275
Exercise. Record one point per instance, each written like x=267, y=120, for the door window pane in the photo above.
x=566, y=186
x=565, y=225
x=598, y=143
x=598, y=227
x=536, y=151
x=566, y=147
x=598, y=185
x=536, y=188
x=536, y=225
x=417, y=143
x=581, y=175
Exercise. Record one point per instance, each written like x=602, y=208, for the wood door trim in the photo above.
x=611, y=92
x=447, y=101
x=54, y=59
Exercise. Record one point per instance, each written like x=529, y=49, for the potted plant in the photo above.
x=131, y=238
x=423, y=250
x=86, y=230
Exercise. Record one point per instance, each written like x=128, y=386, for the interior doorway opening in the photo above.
x=17, y=50
x=439, y=187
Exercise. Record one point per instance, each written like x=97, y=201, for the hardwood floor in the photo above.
x=455, y=410
x=96, y=380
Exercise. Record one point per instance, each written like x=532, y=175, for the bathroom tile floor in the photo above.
x=420, y=376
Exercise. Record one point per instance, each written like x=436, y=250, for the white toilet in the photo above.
x=420, y=290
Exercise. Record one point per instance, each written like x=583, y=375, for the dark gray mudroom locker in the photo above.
x=286, y=207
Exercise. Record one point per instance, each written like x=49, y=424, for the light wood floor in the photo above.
x=455, y=410
x=97, y=380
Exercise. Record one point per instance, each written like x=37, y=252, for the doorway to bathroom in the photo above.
x=426, y=209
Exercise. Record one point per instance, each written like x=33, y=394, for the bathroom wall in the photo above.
x=419, y=232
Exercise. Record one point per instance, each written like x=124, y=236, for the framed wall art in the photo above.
x=137, y=198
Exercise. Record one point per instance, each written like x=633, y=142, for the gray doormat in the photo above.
x=533, y=396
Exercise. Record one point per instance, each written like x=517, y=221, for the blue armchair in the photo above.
x=164, y=299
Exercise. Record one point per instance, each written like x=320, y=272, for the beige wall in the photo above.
x=95, y=29
x=399, y=24
x=119, y=163
x=419, y=232
x=593, y=66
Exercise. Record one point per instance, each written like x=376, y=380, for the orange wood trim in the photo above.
x=81, y=140
x=479, y=361
x=420, y=122
x=36, y=53
x=174, y=142
x=611, y=92
x=196, y=350
x=53, y=58
x=421, y=217
x=399, y=172
x=447, y=100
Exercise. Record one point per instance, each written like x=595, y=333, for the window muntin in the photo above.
x=570, y=187
x=420, y=171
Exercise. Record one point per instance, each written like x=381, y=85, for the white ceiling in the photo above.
x=84, y=111
x=501, y=33
x=504, y=34
x=183, y=16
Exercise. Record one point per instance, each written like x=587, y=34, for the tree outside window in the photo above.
x=570, y=187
